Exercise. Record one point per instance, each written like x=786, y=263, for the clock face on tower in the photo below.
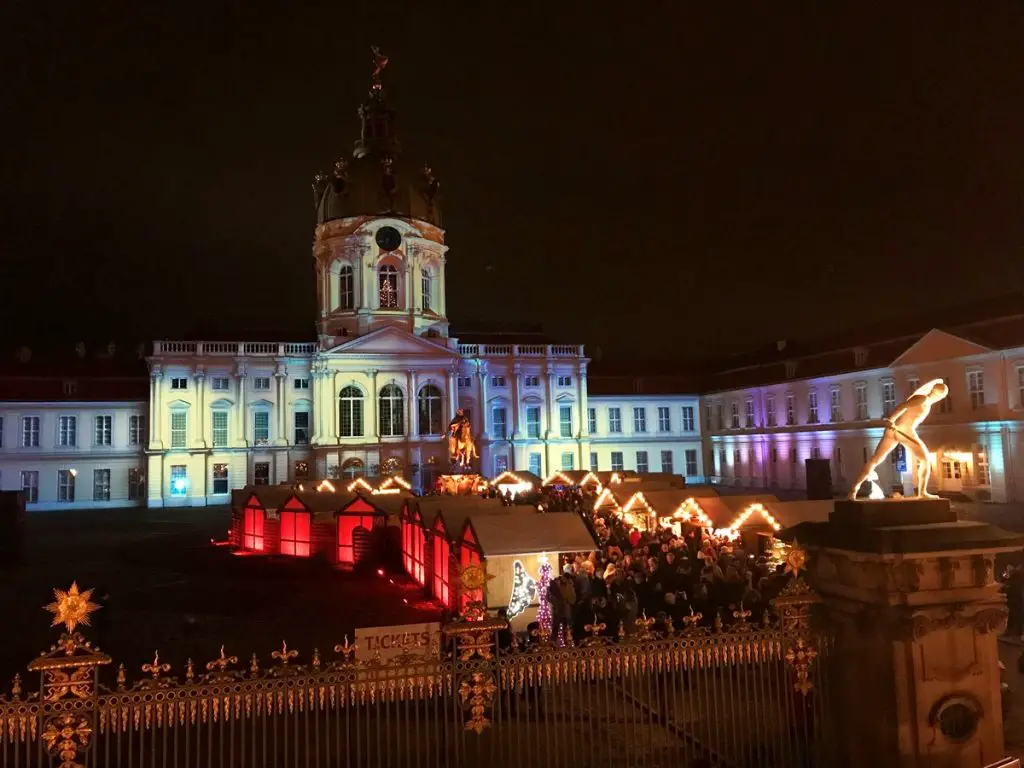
x=388, y=238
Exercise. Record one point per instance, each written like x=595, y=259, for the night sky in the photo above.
x=657, y=179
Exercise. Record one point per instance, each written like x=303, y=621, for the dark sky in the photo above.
x=654, y=178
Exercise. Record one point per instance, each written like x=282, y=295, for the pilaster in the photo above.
x=241, y=373
x=281, y=379
x=199, y=432
x=372, y=427
x=481, y=429
x=156, y=409
x=517, y=373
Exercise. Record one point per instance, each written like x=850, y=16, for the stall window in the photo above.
x=295, y=533
x=252, y=529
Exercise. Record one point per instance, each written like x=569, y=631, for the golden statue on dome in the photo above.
x=901, y=429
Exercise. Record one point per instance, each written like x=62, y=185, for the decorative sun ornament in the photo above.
x=72, y=608
x=474, y=577
x=796, y=560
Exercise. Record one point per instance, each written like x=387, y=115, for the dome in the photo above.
x=377, y=179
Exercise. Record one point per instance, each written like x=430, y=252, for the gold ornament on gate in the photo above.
x=72, y=608
x=796, y=560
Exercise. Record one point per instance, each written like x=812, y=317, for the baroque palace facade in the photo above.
x=372, y=394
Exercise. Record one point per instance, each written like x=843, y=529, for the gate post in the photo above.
x=915, y=611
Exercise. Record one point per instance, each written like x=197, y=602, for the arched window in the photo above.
x=430, y=410
x=388, y=284
x=426, y=284
x=351, y=469
x=391, y=421
x=346, y=295
x=350, y=412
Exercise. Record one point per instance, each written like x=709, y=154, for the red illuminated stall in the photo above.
x=414, y=544
x=358, y=523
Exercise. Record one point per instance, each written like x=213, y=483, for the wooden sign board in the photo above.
x=391, y=641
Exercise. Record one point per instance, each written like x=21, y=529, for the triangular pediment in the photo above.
x=392, y=341
x=938, y=345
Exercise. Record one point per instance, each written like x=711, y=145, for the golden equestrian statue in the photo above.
x=901, y=429
x=461, y=445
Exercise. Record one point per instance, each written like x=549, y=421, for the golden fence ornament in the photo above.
x=795, y=604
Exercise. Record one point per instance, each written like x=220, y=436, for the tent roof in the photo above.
x=528, y=532
x=273, y=497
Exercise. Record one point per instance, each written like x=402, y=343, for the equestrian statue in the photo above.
x=461, y=445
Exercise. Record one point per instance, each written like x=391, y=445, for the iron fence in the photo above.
x=736, y=695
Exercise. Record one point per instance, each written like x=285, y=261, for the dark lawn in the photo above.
x=171, y=589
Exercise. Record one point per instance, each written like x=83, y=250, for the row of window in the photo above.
x=66, y=484
x=387, y=287
x=687, y=420
x=530, y=381
x=67, y=431
x=568, y=462
x=223, y=383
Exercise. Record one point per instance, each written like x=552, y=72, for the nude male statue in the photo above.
x=901, y=429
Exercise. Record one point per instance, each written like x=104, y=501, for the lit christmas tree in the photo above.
x=544, y=607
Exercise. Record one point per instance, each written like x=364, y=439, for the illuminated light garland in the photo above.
x=394, y=480
x=386, y=491
x=359, y=481
x=687, y=512
x=590, y=477
x=524, y=590
x=733, y=530
x=606, y=494
x=512, y=482
x=565, y=478
x=543, y=584
x=326, y=485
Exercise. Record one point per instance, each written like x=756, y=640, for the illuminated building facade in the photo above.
x=765, y=416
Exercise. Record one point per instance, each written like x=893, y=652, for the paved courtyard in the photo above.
x=171, y=589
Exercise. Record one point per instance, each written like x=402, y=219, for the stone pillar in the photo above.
x=331, y=385
x=551, y=432
x=453, y=393
x=156, y=409
x=584, y=431
x=481, y=428
x=318, y=404
x=913, y=671
x=199, y=435
x=411, y=427
x=516, y=389
x=281, y=377
x=372, y=427
x=240, y=439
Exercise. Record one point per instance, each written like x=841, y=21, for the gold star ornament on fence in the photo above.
x=796, y=560
x=72, y=608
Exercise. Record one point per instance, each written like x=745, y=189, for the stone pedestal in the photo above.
x=915, y=610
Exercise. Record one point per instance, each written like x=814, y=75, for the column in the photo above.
x=156, y=409
x=199, y=432
x=584, y=432
x=407, y=274
x=410, y=428
x=240, y=374
x=281, y=376
x=551, y=432
x=372, y=427
x=482, y=376
x=314, y=374
x=516, y=382
x=453, y=393
x=331, y=384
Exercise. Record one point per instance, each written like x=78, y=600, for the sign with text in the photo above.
x=392, y=641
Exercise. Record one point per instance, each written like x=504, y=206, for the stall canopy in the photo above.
x=528, y=532
x=516, y=482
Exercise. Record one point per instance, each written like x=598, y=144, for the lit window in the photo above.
x=500, y=464
x=104, y=425
x=346, y=297
x=666, y=462
x=352, y=469
x=769, y=411
x=426, y=284
x=835, y=405
x=533, y=423
x=790, y=410
x=101, y=485
x=465, y=382
x=302, y=428
x=179, y=421
x=749, y=414
x=387, y=281
x=392, y=422
x=860, y=396
x=350, y=412
x=565, y=381
x=640, y=419
x=301, y=384
x=888, y=397
x=30, y=432
x=179, y=382
x=498, y=381
x=220, y=429
x=179, y=480
x=534, y=464
x=220, y=478
x=136, y=431
x=430, y=410
x=812, y=407
x=67, y=431
x=981, y=468
x=568, y=461
x=616, y=461
x=946, y=403
x=30, y=486
x=261, y=473
x=534, y=381
x=591, y=420
x=294, y=533
x=976, y=388
x=261, y=383
x=261, y=427
x=252, y=529
x=721, y=462
x=498, y=423
x=593, y=461
x=220, y=383
x=615, y=420
x=565, y=421
x=301, y=471
x=691, y=462
x=688, y=424
x=664, y=418
x=65, y=485
x=641, y=461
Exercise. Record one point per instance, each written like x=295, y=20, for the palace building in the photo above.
x=372, y=393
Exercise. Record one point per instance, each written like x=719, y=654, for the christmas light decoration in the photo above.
x=524, y=590
x=543, y=606
x=733, y=530
x=556, y=477
x=357, y=483
x=326, y=485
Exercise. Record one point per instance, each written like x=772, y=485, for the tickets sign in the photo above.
x=389, y=642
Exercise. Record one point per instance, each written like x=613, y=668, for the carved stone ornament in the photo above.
x=907, y=626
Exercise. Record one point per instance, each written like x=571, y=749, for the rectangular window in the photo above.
x=30, y=486
x=734, y=415
x=252, y=529
x=295, y=533
x=30, y=432
x=136, y=430
x=534, y=464
x=615, y=420
x=748, y=414
x=790, y=410
x=616, y=461
x=707, y=415
x=641, y=462
x=498, y=429
x=912, y=384
x=946, y=403
x=500, y=464
x=70, y=388
x=719, y=421
x=301, y=471
x=179, y=382
x=721, y=462
x=565, y=421
x=498, y=381
x=664, y=418
x=981, y=468
x=425, y=289
x=691, y=462
x=178, y=427
x=531, y=381
x=565, y=381
x=640, y=419
x=465, y=382
x=812, y=407
x=735, y=460
x=775, y=455
x=815, y=453
x=888, y=397
x=261, y=383
x=302, y=428
x=792, y=455
x=592, y=420
x=65, y=485
x=67, y=431
x=179, y=480
x=301, y=384
x=835, y=405
x=688, y=425
x=568, y=460
x=261, y=427
x=769, y=411
x=593, y=461
x=136, y=484
x=261, y=473
x=533, y=422
x=104, y=428
x=220, y=383
x=220, y=429
x=860, y=396
x=101, y=485
x=976, y=388
x=666, y=462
